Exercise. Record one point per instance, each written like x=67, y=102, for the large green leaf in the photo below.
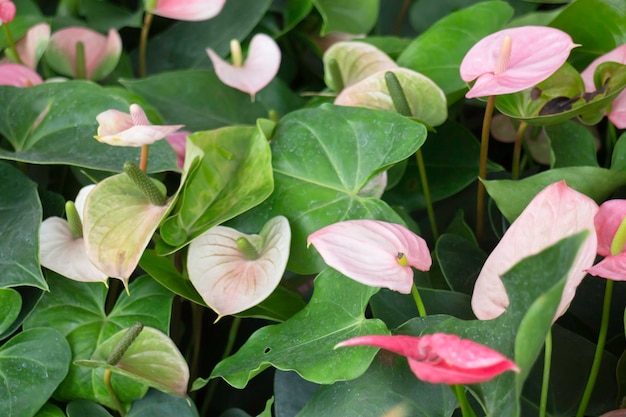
x=572, y=145
x=55, y=123
x=10, y=306
x=77, y=310
x=438, y=52
x=350, y=16
x=20, y=217
x=322, y=158
x=159, y=404
x=305, y=342
x=513, y=196
x=32, y=365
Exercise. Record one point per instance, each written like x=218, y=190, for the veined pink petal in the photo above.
x=442, y=358
x=611, y=267
x=607, y=221
x=18, y=76
x=536, y=53
x=228, y=281
x=368, y=251
x=616, y=55
x=260, y=67
x=189, y=10
x=555, y=213
x=7, y=11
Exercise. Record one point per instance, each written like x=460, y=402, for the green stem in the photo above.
x=418, y=301
x=7, y=32
x=482, y=169
x=517, y=150
x=461, y=396
x=197, y=313
x=143, y=43
x=426, y=189
x=401, y=16
x=597, y=359
x=545, y=384
x=81, y=66
x=116, y=400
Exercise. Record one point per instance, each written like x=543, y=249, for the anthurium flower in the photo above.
x=617, y=115
x=178, y=141
x=102, y=53
x=260, y=67
x=233, y=271
x=515, y=59
x=32, y=46
x=608, y=222
x=188, y=10
x=18, y=75
x=7, y=11
x=442, y=358
x=120, y=129
x=554, y=214
x=373, y=252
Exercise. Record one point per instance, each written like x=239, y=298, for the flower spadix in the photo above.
x=62, y=247
x=610, y=225
x=513, y=60
x=233, y=271
x=442, y=358
x=259, y=68
x=555, y=213
x=188, y=10
x=121, y=129
x=373, y=252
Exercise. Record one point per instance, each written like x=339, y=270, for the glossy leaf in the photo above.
x=350, y=16
x=32, y=365
x=50, y=410
x=159, y=404
x=20, y=216
x=618, y=160
x=311, y=354
x=10, y=306
x=572, y=145
x=80, y=408
x=460, y=261
x=29, y=297
x=76, y=309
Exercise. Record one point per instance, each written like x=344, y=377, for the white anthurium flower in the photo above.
x=62, y=247
x=233, y=271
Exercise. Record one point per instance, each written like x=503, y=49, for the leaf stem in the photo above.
x=482, y=169
x=143, y=43
x=418, y=301
x=421, y=167
x=545, y=383
x=196, y=313
x=116, y=400
x=461, y=396
x=7, y=32
x=517, y=150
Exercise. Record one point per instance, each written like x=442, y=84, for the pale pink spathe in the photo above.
x=188, y=10
x=536, y=53
x=259, y=68
x=555, y=213
x=607, y=222
x=442, y=358
x=368, y=251
x=18, y=75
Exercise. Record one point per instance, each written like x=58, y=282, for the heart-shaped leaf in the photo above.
x=32, y=365
x=350, y=16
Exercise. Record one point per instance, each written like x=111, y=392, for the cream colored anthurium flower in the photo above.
x=233, y=271
x=62, y=247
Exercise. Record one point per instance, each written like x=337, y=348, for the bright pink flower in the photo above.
x=442, y=358
x=189, y=10
x=500, y=66
x=260, y=67
x=608, y=222
x=555, y=213
x=178, y=141
x=373, y=252
x=102, y=53
x=618, y=108
x=120, y=129
x=18, y=75
x=7, y=11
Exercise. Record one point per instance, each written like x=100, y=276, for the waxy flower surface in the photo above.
x=178, y=141
x=121, y=129
x=102, y=53
x=233, y=271
x=18, y=75
x=554, y=214
x=513, y=60
x=442, y=358
x=7, y=11
x=373, y=252
x=189, y=10
x=259, y=68
x=611, y=244
x=617, y=115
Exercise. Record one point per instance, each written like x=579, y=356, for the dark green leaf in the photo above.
x=350, y=16
x=572, y=145
x=158, y=404
x=10, y=306
x=82, y=408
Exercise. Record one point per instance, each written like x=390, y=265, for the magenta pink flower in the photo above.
x=120, y=129
x=442, y=358
x=7, y=11
x=611, y=241
x=373, y=252
x=513, y=60
x=178, y=141
x=18, y=75
x=189, y=10
x=617, y=115
x=555, y=213
x=260, y=67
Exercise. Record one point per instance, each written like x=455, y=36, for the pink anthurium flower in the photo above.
x=442, y=358
x=611, y=241
x=32, y=46
x=178, y=141
x=62, y=248
x=120, y=129
x=233, y=271
x=555, y=213
x=7, y=11
x=260, y=67
x=18, y=75
x=515, y=59
x=102, y=53
x=189, y=10
x=373, y=252
x=617, y=115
